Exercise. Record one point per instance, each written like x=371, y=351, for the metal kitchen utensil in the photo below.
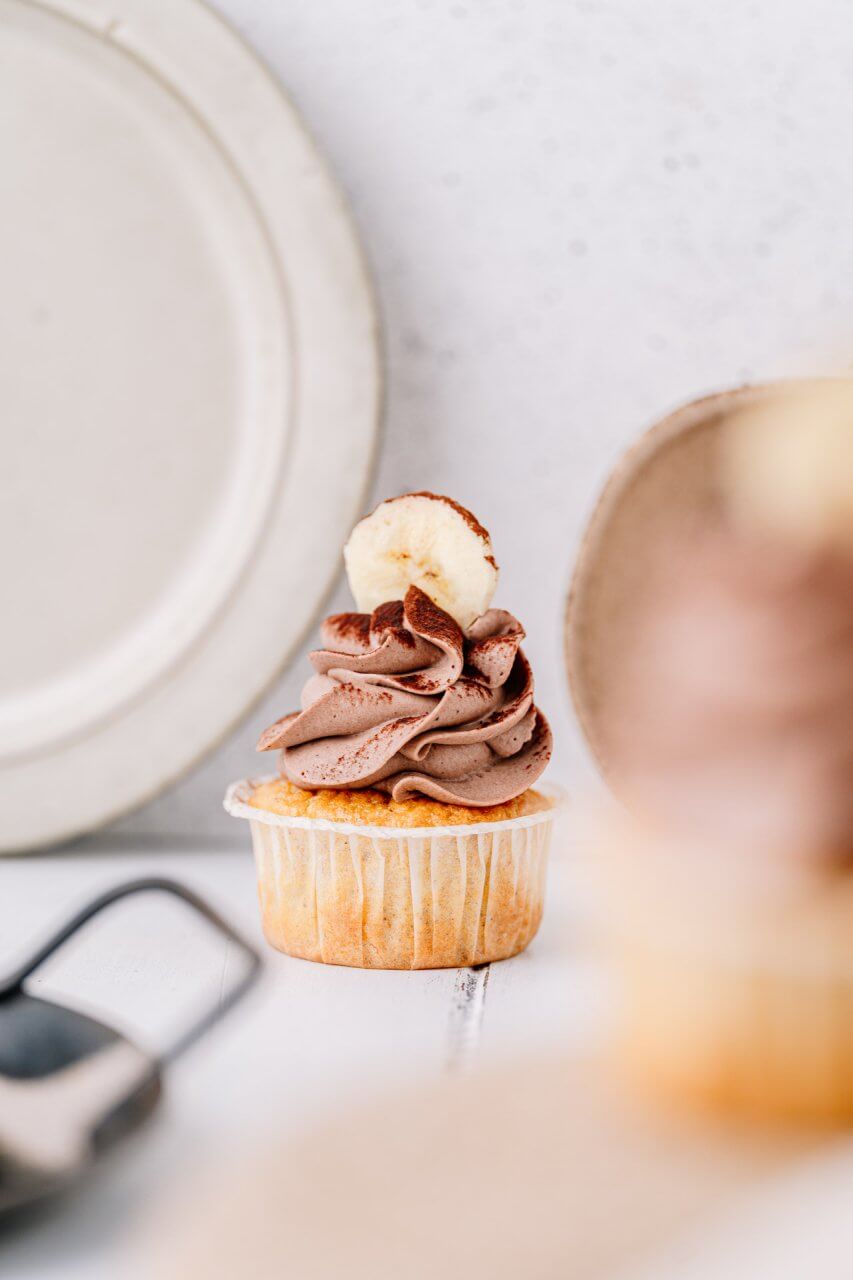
x=71, y=1087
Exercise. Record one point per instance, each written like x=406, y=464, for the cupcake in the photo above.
x=403, y=831
x=727, y=888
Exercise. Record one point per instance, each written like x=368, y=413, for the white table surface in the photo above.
x=310, y=1036
x=307, y=1036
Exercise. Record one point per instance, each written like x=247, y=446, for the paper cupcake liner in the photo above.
x=737, y=996
x=395, y=897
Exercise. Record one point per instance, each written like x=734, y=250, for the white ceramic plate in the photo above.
x=189, y=393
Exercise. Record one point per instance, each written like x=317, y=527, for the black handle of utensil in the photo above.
x=157, y=884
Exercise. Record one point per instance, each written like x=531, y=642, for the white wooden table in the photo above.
x=310, y=1036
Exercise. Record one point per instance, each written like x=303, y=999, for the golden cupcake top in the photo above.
x=369, y=807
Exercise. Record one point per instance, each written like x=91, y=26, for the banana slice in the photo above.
x=427, y=541
x=788, y=464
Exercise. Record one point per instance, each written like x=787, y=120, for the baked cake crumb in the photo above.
x=367, y=807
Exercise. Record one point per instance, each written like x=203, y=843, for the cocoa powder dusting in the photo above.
x=468, y=516
x=353, y=626
x=424, y=616
x=387, y=615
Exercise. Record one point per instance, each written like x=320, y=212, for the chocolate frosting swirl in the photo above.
x=403, y=701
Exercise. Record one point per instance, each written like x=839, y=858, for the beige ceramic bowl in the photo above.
x=737, y=992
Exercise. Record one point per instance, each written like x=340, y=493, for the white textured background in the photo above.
x=578, y=213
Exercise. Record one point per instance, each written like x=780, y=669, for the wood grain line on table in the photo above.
x=466, y=1015
x=226, y=964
